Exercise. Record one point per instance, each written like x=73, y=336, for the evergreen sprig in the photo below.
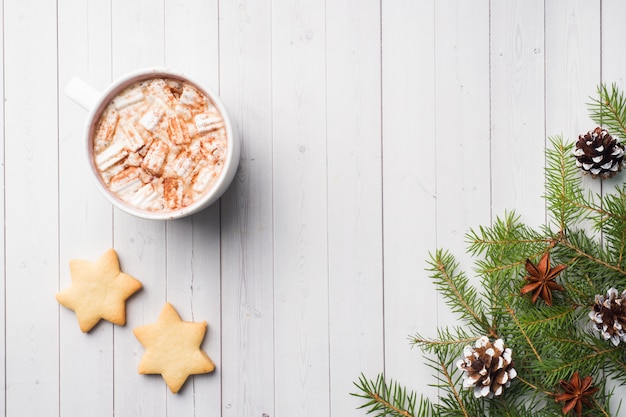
x=608, y=109
x=566, y=202
x=586, y=232
x=385, y=398
x=456, y=289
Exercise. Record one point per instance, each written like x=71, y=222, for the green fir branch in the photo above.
x=587, y=233
x=391, y=399
x=448, y=341
x=504, y=248
x=507, y=235
x=597, y=258
x=563, y=186
x=526, y=337
x=449, y=384
x=570, y=355
x=592, y=270
x=458, y=293
x=543, y=320
x=612, y=224
x=608, y=109
x=604, y=354
x=601, y=407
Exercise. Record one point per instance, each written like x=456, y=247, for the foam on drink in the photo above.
x=160, y=144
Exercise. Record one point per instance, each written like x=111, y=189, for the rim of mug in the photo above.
x=209, y=196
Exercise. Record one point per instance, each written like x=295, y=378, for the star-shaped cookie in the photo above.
x=173, y=348
x=99, y=291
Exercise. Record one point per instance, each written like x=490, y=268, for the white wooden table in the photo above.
x=372, y=131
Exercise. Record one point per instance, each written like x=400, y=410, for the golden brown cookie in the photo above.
x=173, y=348
x=99, y=291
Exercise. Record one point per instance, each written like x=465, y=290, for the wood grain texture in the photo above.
x=193, y=244
x=462, y=129
x=300, y=208
x=137, y=33
x=611, y=71
x=372, y=133
x=573, y=65
x=3, y=320
x=31, y=209
x=409, y=186
x=248, y=313
x=573, y=71
x=612, y=61
x=518, y=110
x=354, y=192
x=85, y=217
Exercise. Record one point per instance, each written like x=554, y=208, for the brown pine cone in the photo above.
x=488, y=367
x=599, y=154
x=609, y=316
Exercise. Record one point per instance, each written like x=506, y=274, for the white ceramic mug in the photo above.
x=96, y=102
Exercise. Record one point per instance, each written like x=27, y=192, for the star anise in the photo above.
x=541, y=279
x=576, y=393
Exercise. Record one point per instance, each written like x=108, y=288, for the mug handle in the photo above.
x=82, y=93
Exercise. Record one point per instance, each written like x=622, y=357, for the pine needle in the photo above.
x=390, y=399
x=587, y=234
x=608, y=109
x=454, y=286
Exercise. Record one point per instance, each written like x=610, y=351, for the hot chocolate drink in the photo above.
x=160, y=144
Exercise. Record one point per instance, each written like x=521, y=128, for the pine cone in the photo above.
x=599, y=154
x=488, y=367
x=609, y=316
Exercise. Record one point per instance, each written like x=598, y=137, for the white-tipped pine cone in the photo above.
x=599, y=154
x=488, y=367
x=609, y=316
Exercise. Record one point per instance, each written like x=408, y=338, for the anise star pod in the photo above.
x=541, y=279
x=576, y=393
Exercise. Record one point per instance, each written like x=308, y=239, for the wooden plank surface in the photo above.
x=409, y=186
x=462, y=128
x=518, y=109
x=300, y=199
x=610, y=72
x=193, y=243
x=372, y=133
x=3, y=243
x=137, y=38
x=247, y=289
x=85, y=219
x=354, y=193
x=31, y=213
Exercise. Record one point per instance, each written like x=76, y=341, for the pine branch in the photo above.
x=589, y=274
x=507, y=235
x=563, y=184
x=390, y=399
x=601, y=408
x=612, y=223
x=596, y=259
x=457, y=291
x=524, y=333
x=607, y=355
x=494, y=268
x=545, y=320
x=452, y=390
x=608, y=109
x=548, y=343
x=576, y=355
x=433, y=345
x=449, y=341
x=532, y=386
